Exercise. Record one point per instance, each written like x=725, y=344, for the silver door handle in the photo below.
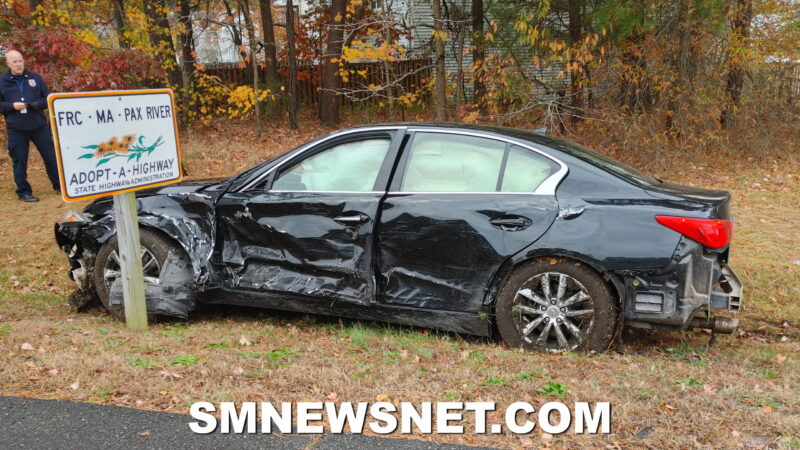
x=352, y=220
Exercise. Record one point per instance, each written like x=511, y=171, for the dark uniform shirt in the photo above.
x=28, y=88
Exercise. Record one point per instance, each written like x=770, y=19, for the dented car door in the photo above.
x=308, y=229
x=459, y=206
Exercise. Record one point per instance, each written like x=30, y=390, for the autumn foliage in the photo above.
x=71, y=64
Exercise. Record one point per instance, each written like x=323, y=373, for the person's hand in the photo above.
x=19, y=106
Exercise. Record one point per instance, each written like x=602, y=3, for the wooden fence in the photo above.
x=410, y=74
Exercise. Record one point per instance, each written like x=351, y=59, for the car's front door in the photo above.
x=458, y=207
x=308, y=228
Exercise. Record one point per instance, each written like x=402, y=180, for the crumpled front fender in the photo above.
x=188, y=219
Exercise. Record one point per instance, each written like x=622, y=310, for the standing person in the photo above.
x=23, y=99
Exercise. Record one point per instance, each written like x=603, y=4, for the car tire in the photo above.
x=580, y=316
x=155, y=247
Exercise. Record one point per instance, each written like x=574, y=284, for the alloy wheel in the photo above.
x=150, y=267
x=553, y=311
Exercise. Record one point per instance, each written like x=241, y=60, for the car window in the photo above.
x=350, y=166
x=525, y=170
x=440, y=162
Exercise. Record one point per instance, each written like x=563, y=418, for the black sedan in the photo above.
x=461, y=228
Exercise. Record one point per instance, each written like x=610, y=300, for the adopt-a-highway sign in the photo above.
x=114, y=141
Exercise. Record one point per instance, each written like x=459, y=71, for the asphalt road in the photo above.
x=55, y=424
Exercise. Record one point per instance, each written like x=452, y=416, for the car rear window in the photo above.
x=525, y=170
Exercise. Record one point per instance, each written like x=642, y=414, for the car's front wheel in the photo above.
x=556, y=305
x=155, y=250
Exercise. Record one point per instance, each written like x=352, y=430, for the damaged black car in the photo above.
x=463, y=228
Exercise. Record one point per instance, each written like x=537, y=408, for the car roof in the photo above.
x=557, y=148
x=503, y=131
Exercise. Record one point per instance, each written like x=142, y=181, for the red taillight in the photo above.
x=712, y=233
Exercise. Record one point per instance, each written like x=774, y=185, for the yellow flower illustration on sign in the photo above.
x=118, y=147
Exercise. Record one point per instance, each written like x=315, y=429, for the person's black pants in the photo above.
x=18, y=143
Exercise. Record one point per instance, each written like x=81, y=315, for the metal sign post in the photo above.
x=115, y=143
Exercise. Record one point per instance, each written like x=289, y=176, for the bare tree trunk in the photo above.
x=331, y=82
x=479, y=89
x=388, y=72
x=161, y=40
x=740, y=22
x=439, y=93
x=462, y=34
x=119, y=22
x=187, y=54
x=684, y=67
x=292, y=100
x=576, y=77
x=270, y=50
x=244, y=7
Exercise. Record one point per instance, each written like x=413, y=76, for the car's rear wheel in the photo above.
x=155, y=249
x=556, y=305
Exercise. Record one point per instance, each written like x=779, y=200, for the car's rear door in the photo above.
x=459, y=205
x=308, y=227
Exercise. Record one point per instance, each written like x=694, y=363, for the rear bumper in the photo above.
x=695, y=287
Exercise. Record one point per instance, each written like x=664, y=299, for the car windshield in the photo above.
x=604, y=162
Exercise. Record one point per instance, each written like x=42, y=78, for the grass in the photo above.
x=743, y=389
x=143, y=363
x=185, y=360
x=553, y=389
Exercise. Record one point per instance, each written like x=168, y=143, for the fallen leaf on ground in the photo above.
x=26, y=346
x=780, y=358
x=168, y=374
x=709, y=389
x=74, y=386
x=525, y=441
x=332, y=396
x=244, y=341
x=668, y=408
